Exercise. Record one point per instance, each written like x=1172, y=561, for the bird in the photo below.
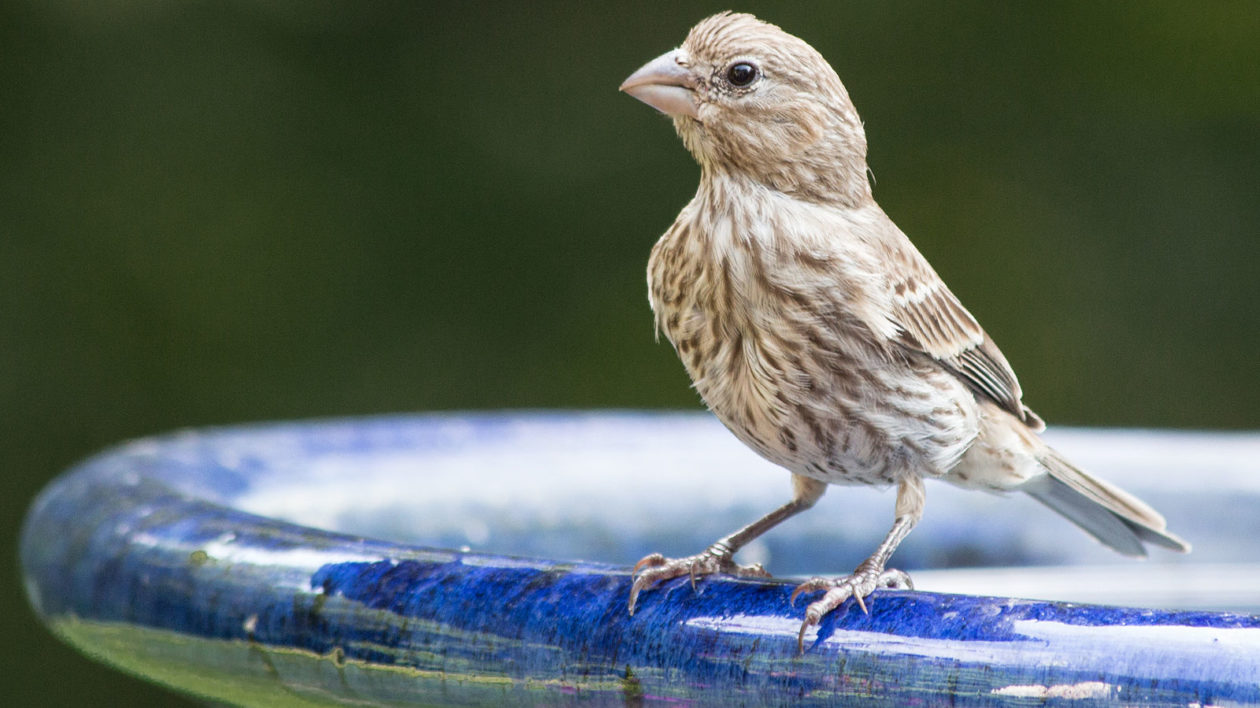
x=813, y=328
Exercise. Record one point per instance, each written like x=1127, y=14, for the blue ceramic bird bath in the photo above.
x=483, y=560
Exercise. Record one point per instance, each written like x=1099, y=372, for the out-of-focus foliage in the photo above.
x=223, y=212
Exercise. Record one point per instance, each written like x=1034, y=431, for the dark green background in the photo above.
x=235, y=211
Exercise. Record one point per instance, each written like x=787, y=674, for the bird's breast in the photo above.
x=778, y=355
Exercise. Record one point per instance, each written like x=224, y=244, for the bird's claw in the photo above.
x=859, y=585
x=651, y=560
x=656, y=568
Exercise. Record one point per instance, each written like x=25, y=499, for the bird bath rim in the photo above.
x=177, y=558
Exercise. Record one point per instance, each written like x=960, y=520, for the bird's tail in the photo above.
x=1110, y=514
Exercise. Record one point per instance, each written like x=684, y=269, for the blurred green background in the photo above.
x=234, y=211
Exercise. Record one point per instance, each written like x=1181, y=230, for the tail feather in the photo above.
x=1108, y=513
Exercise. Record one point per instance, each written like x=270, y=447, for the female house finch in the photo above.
x=814, y=329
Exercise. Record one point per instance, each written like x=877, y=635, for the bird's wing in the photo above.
x=932, y=320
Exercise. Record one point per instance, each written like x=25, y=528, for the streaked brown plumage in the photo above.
x=814, y=329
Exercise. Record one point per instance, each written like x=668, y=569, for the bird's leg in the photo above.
x=717, y=558
x=870, y=573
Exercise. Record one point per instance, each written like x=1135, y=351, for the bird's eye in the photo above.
x=741, y=73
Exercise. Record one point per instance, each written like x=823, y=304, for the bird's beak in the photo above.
x=664, y=84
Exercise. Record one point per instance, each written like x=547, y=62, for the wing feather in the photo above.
x=932, y=320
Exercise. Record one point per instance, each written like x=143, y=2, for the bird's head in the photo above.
x=753, y=101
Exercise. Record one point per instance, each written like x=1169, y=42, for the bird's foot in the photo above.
x=714, y=559
x=865, y=579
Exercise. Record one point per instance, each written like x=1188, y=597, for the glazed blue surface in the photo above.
x=193, y=559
